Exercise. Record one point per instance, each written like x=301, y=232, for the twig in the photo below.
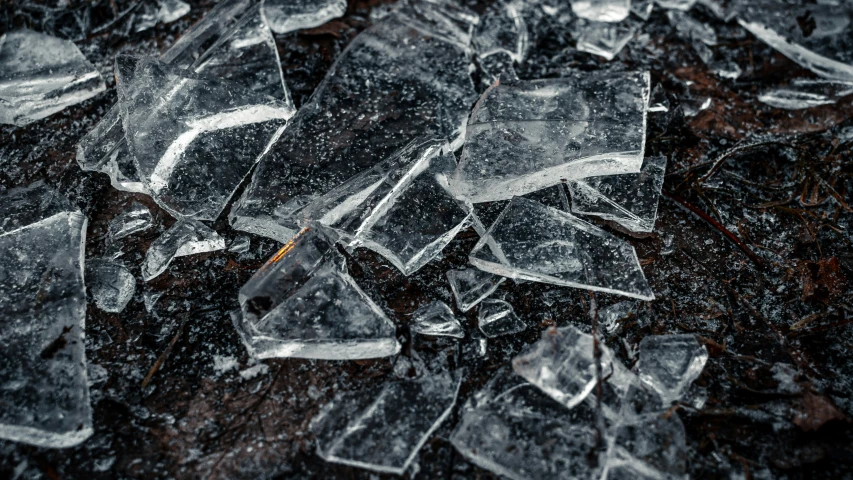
x=165, y=354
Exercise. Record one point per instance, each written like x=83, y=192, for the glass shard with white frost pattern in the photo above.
x=497, y=317
x=135, y=219
x=303, y=303
x=382, y=428
x=186, y=237
x=110, y=283
x=630, y=200
x=471, y=285
x=530, y=241
x=401, y=208
x=670, y=363
x=41, y=75
x=45, y=394
x=288, y=15
x=524, y=136
x=604, y=39
x=395, y=82
x=193, y=138
x=602, y=10
x=436, y=319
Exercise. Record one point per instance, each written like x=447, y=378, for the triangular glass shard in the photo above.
x=524, y=136
x=110, y=283
x=436, y=319
x=231, y=42
x=605, y=39
x=818, y=37
x=41, y=75
x=186, y=237
x=193, y=150
x=471, y=286
x=497, y=317
x=285, y=16
x=401, y=208
x=670, y=363
x=45, y=395
x=382, y=429
x=372, y=119
x=516, y=431
x=642, y=8
x=530, y=241
x=135, y=219
x=631, y=199
x=302, y=303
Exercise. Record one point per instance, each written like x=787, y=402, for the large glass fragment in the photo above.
x=41, y=75
x=630, y=200
x=530, y=241
x=192, y=151
x=186, y=237
x=436, y=319
x=111, y=284
x=43, y=386
x=232, y=43
x=382, y=429
x=135, y=219
x=401, y=208
x=405, y=77
x=288, y=15
x=497, y=317
x=471, y=285
x=817, y=36
x=604, y=39
x=602, y=10
x=302, y=303
x=670, y=363
x=524, y=136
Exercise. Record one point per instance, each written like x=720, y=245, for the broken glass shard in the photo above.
x=530, y=241
x=288, y=15
x=642, y=8
x=240, y=244
x=631, y=199
x=659, y=102
x=497, y=317
x=135, y=219
x=518, y=432
x=683, y=5
x=22, y=206
x=647, y=447
x=602, y=10
x=45, y=394
x=725, y=10
x=604, y=39
x=192, y=151
x=611, y=316
x=110, y=283
x=691, y=29
x=401, y=208
x=816, y=36
x=395, y=82
x=382, y=429
x=162, y=11
x=186, y=237
x=501, y=30
x=670, y=363
x=41, y=75
x=806, y=93
x=436, y=319
x=302, y=303
x=527, y=135
x=231, y=42
x=471, y=285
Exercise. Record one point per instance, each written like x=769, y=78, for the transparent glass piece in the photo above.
x=527, y=135
x=41, y=75
x=659, y=102
x=683, y=5
x=725, y=10
x=45, y=393
x=186, y=237
x=23, y=206
x=818, y=37
x=162, y=11
x=691, y=29
x=110, y=283
x=642, y=8
x=382, y=429
x=471, y=286
x=497, y=317
x=302, y=303
x=605, y=39
x=610, y=317
x=135, y=219
x=436, y=319
x=670, y=363
x=519, y=433
x=647, y=447
x=357, y=117
x=240, y=244
x=631, y=199
x=501, y=30
x=288, y=15
x=401, y=208
x=231, y=42
x=530, y=241
x=602, y=10
x=192, y=151
x=806, y=93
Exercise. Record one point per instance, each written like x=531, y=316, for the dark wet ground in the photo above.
x=751, y=251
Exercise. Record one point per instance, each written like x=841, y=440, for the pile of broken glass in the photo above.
x=396, y=153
